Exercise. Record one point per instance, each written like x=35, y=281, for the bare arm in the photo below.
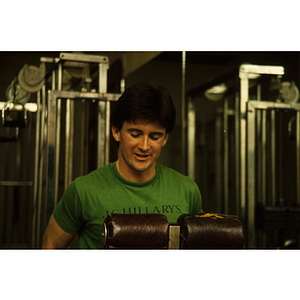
x=55, y=237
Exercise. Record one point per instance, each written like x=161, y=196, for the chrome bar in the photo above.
x=174, y=237
x=264, y=157
x=101, y=135
x=225, y=156
x=244, y=85
x=298, y=155
x=183, y=116
x=251, y=177
x=191, y=137
x=36, y=168
x=57, y=136
x=51, y=148
x=42, y=155
x=237, y=153
x=273, y=158
x=107, y=131
x=219, y=194
x=67, y=143
x=102, y=151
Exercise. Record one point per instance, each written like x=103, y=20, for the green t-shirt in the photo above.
x=90, y=198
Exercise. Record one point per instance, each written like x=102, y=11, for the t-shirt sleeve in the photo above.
x=196, y=205
x=68, y=211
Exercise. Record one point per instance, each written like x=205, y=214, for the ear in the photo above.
x=116, y=133
x=165, y=139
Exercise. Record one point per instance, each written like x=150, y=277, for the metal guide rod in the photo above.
x=36, y=167
x=237, y=153
x=107, y=131
x=103, y=120
x=242, y=134
x=101, y=136
x=219, y=191
x=226, y=156
x=183, y=116
x=51, y=145
x=298, y=154
x=273, y=158
x=251, y=177
x=69, y=142
x=43, y=152
x=264, y=156
x=191, y=137
x=57, y=136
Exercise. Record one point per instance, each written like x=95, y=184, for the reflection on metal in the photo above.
x=32, y=107
x=216, y=93
x=174, y=237
x=191, y=137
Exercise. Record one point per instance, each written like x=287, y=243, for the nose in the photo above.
x=144, y=144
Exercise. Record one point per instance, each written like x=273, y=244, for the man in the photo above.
x=141, y=123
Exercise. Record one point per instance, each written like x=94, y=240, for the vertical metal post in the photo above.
x=298, y=154
x=103, y=123
x=51, y=180
x=251, y=177
x=264, y=156
x=69, y=142
x=191, y=137
x=218, y=163
x=57, y=136
x=273, y=157
x=107, y=131
x=237, y=153
x=226, y=156
x=244, y=85
x=183, y=116
x=42, y=154
x=36, y=168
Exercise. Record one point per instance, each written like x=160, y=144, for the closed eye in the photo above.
x=154, y=137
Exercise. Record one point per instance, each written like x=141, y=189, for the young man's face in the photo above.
x=140, y=145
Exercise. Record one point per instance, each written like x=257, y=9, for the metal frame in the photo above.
x=253, y=108
x=247, y=72
x=244, y=137
x=48, y=134
x=54, y=135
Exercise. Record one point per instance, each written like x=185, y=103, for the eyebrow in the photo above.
x=138, y=130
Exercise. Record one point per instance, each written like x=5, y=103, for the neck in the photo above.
x=134, y=175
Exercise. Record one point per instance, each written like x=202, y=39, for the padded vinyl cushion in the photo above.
x=211, y=231
x=136, y=231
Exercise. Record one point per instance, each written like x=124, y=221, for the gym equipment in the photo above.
x=192, y=231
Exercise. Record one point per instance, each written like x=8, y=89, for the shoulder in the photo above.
x=100, y=172
x=171, y=174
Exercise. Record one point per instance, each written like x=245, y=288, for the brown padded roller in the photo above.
x=211, y=231
x=136, y=231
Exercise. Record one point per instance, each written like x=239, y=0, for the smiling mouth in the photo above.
x=141, y=156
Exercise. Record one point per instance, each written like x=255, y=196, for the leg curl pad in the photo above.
x=211, y=231
x=124, y=231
